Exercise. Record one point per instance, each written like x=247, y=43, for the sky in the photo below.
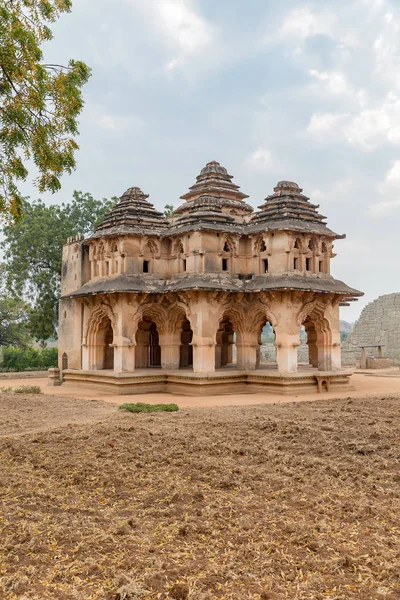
x=290, y=90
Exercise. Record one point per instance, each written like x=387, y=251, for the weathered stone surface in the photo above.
x=378, y=363
x=379, y=324
x=150, y=284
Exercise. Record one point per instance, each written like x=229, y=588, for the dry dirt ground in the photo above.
x=281, y=501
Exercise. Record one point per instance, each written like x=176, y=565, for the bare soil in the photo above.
x=278, y=501
x=20, y=413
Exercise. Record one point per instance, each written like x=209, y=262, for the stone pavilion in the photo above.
x=178, y=304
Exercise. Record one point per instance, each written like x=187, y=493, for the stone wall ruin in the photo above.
x=379, y=323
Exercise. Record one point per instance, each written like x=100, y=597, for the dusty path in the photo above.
x=366, y=385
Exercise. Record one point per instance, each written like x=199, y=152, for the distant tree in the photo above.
x=168, y=210
x=39, y=102
x=14, y=321
x=32, y=251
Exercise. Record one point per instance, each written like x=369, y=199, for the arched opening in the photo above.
x=148, y=350
x=225, y=349
x=266, y=358
x=319, y=342
x=64, y=362
x=186, y=348
x=306, y=352
x=102, y=349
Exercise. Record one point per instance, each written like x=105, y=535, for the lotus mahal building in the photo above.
x=154, y=304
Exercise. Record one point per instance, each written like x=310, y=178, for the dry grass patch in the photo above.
x=292, y=501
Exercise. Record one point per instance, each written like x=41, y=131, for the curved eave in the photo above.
x=148, y=284
x=129, y=230
x=292, y=225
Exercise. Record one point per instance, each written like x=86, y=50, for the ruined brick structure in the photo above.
x=150, y=303
x=379, y=324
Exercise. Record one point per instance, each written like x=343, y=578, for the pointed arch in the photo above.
x=260, y=245
x=99, y=338
x=229, y=244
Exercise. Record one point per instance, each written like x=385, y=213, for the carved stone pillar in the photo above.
x=125, y=344
x=124, y=355
x=247, y=351
x=285, y=307
x=85, y=357
x=312, y=344
x=204, y=315
x=170, y=350
x=286, y=350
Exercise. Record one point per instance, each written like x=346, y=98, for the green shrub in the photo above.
x=17, y=359
x=148, y=408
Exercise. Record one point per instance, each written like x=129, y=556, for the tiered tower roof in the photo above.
x=289, y=209
x=204, y=212
x=132, y=214
x=215, y=182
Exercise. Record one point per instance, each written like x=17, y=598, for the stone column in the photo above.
x=248, y=350
x=312, y=345
x=124, y=355
x=170, y=350
x=286, y=350
x=328, y=340
x=204, y=316
x=85, y=357
x=125, y=344
x=203, y=355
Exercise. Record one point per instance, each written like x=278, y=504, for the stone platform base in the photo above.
x=229, y=381
x=378, y=363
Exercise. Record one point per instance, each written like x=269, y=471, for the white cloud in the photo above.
x=303, y=22
x=187, y=35
x=393, y=175
x=98, y=116
x=384, y=208
x=187, y=29
x=367, y=129
x=333, y=82
x=390, y=192
x=260, y=160
x=108, y=122
x=338, y=192
x=325, y=123
x=373, y=127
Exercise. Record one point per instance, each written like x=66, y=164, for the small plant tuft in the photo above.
x=139, y=407
x=27, y=389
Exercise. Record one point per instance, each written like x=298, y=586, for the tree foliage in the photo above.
x=39, y=102
x=18, y=359
x=32, y=252
x=14, y=319
x=168, y=210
